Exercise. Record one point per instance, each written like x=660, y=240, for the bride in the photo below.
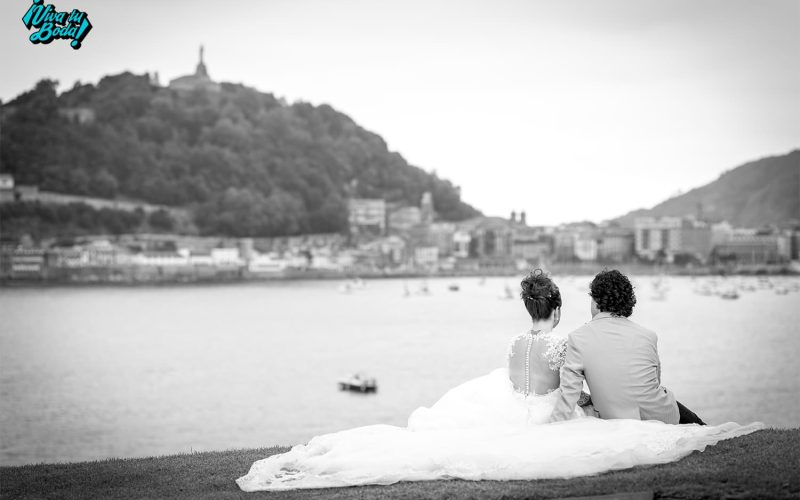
x=492, y=427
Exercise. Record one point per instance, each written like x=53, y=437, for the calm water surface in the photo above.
x=88, y=373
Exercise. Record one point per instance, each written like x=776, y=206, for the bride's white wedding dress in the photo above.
x=491, y=427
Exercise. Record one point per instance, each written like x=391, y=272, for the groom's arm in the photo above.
x=571, y=383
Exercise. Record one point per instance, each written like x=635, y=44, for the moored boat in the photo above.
x=358, y=382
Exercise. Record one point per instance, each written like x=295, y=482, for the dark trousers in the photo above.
x=688, y=416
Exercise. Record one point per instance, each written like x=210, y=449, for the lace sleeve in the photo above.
x=511, y=346
x=556, y=353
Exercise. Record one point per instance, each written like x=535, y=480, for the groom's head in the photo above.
x=612, y=292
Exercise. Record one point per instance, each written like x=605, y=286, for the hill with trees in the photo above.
x=245, y=163
x=758, y=193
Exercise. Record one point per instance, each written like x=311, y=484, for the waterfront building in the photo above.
x=693, y=239
x=426, y=256
x=246, y=249
x=566, y=236
x=69, y=257
x=298, y=260
x=530, y=243
x=27, y=263
x=441, y=236
x=124, y=257
x=750, y=248
x=346, y=259
x=227, y=257
x=490, y=237
x=586, y=248
x=721, y=232
x=198, y=81
x=267, y=264
x=89, y=254
x=402, y=219
x=325, y=262
x=201, y=259
x=163, y=258
x=652, y=236
x=564, y=246
x=101, y=253
x=392, y=250
x=461, y=240
x=668, y=237
x=284, y=244
x=615, y=244
x=367, y=216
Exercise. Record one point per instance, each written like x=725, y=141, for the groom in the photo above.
x=619, y=360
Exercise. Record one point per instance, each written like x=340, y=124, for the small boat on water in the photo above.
x=453, y=287
x=730, y=295
x=358, y=382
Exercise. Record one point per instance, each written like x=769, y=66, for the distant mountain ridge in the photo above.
x=758, y=193
x=243, y=162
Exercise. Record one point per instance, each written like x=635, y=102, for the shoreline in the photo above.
x=322, y=275
x=758, y=465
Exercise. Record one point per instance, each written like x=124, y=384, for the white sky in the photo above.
x=567, y=109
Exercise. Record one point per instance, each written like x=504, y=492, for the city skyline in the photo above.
x=546, y=105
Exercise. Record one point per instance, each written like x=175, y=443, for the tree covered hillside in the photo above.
x=244, y=162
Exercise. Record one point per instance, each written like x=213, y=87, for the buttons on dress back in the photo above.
x=528, y=364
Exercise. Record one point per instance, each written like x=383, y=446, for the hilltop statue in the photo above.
x=199, y=80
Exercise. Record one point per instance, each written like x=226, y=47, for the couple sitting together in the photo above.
x=530, y=419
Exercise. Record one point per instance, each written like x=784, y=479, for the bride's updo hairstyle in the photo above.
x=540, y=295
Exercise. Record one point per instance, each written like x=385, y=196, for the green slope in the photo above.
x=244, y=162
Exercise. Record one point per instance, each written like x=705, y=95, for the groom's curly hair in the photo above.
x=540, y=295
x=613, y=293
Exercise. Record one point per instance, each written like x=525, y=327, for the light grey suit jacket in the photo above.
x=619, y=360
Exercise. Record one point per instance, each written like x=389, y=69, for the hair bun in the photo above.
x=537, y=285
x=539, y=294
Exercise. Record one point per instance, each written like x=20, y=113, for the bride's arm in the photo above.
x=571, y=383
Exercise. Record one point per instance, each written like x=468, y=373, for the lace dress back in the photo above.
x=534, y=360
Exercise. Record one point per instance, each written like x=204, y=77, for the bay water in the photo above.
x=96, y=372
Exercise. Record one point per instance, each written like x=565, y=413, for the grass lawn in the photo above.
x=765, y=464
